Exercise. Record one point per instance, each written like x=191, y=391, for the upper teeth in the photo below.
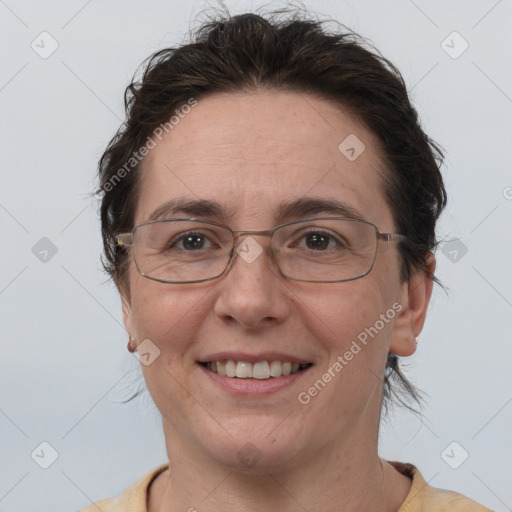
x=259, y=370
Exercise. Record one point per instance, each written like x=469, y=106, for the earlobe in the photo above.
x=414, y=301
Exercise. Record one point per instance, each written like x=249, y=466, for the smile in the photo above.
x=260, y=370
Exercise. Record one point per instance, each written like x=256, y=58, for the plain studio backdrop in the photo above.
x=65, y=436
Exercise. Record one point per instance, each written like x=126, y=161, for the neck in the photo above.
x=349, y=478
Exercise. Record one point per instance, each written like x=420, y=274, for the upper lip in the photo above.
x=252, y=358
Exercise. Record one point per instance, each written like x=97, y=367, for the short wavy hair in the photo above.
x=294, y=52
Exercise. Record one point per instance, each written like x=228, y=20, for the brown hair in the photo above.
x=247, y=52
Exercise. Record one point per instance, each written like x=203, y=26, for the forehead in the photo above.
x=252, y=152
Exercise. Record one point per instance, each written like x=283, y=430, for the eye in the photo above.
x=191, y=241
x=321, y=240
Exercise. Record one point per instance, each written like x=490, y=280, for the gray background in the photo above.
x=64, y=368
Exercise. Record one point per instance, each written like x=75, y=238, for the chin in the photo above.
x=250, y=458
x=257, y=447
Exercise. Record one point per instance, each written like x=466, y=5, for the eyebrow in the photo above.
x=287, y=210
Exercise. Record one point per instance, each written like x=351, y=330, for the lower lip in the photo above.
x=252, y=386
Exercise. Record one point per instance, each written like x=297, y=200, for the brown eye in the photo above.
x=317, y=241
x=190, y=241
x=320, y=241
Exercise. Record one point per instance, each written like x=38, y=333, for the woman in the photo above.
x=268, y=216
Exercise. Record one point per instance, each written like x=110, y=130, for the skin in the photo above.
x=250, y=151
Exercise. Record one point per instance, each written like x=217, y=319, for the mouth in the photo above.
x=259, y=370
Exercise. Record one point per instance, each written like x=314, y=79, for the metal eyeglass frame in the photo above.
x=126, y=239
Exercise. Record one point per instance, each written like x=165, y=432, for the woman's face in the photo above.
x=251, y=152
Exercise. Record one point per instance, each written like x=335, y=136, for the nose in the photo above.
x=252, y=292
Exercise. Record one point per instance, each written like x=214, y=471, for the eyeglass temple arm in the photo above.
x=124, y=239
x=390, y=237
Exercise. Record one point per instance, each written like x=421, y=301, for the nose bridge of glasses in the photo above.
x=249, y=245
x=264, y=232
x=240, y=237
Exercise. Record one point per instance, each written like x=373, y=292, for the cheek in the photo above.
x=341, y=314
x=167, y=315
x=170, y=319
x=350, y=375
x=355, y=339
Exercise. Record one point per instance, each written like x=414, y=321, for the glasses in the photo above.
x=319, y=250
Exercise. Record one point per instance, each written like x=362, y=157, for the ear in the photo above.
x=127, y=313
x=414, y=301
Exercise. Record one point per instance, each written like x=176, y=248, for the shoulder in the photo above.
x=424, y=498
x=132, y=499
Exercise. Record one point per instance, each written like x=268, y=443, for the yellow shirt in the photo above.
x=421, y=498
